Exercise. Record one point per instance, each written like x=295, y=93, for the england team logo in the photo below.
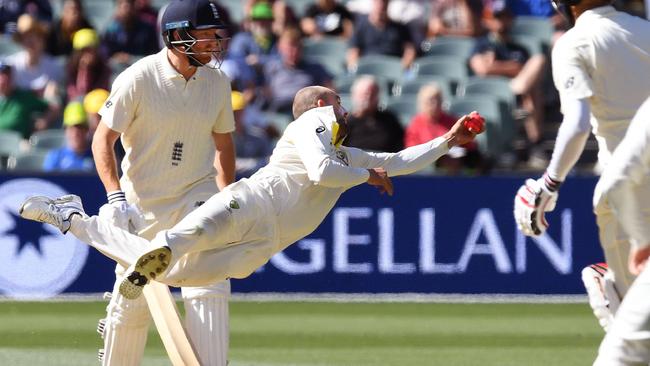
x=36, y=260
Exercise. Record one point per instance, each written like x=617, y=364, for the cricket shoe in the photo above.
x=145, y=269
x=57, y=212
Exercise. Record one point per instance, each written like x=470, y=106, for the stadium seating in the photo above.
x=499, y=127
x=404, y=108
x=454, y=68
x=540, y=28
x=410, y=88
x=9, y=145
x=99, y=13
x=299, y=6
x=449, y=46
x=8, y=46
x=327, y=51
x=31, y=161
x=279, y=120
x=235, y=9
x=532, y=44
x=495, y=86
x=389, y=67
x=47, y=139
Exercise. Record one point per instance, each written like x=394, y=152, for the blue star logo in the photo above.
x=28, y=233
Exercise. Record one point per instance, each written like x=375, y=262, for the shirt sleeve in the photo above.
x=313, y=141
x=225, y=123
x=119, y=110
x=407, y=161
x=570, y=73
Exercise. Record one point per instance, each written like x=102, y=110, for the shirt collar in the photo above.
x=602, y=11
x=168, y=70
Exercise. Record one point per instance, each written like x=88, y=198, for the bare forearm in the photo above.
x=106, y=164
x=224, y=162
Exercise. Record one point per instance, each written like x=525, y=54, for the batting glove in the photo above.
x=532, y=200
x=120, y=213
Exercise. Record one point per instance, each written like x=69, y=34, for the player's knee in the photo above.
x=134, y=313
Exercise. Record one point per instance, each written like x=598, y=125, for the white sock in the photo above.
x=206, y=321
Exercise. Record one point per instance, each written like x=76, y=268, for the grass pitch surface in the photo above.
x=323, y=333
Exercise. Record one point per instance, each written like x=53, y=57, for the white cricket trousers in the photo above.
x=229, y=236
x=625, y=188
x=206, y=308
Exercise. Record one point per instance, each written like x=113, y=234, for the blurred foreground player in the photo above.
x=600, y=70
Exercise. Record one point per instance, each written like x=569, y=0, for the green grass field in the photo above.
x=321, y=333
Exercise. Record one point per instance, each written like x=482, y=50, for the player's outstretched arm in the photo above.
x=418, y=157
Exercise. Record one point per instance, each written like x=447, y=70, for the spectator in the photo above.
x=21, y=110
x=72, y=19
x=257, y=45
x=376, y=34
x=146, y=12
x=86, y=69
x=369, y=127
x=291, y=73
x=10, y=10
x=76, y=154
x=93, y=102
x=456, y=18
x=252, y=146
x=496, y=55
x=32, y=68
x=327, y=18
x=283, y=14
x=431, y=122
x=126, y=35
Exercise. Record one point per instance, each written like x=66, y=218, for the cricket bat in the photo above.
x=168, y=322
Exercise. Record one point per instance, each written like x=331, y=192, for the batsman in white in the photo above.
x=623, y=187
x=239, y=229
x=600, y=68
x=172, y=112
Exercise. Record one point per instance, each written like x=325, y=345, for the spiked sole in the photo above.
x=146, y=268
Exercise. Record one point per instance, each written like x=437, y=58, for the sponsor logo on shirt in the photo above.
x=320, y=129
x=108, y=104
x=343, y=157
x=36, y=259
x=569, y=82
x=177, y=153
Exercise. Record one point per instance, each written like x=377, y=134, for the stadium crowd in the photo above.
x=404, y=69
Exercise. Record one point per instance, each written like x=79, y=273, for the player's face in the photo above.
x=209, y=43
x=341, y=115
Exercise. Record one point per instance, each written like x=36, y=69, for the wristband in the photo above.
x=551, y=184
x=115, y=197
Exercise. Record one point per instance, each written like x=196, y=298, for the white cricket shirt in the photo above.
x=605, y=57
x=307, y=173
x=167, y=124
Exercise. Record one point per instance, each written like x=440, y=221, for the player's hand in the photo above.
x=638, y=259
x=380, y=179
x=532, y=200
x=121, y=214
x=465, y=129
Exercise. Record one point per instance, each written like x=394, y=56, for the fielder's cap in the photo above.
x=94, y=100
x=238, y=101
x=5, y=68
x=85, y=38
x=192, y=14
x=74, y=115
x=262, y=11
